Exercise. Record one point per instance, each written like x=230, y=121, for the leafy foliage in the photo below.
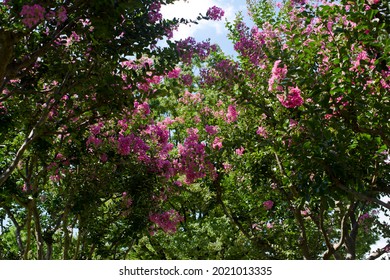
x=113, y=148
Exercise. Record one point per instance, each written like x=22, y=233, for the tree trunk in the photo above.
x=38, y=231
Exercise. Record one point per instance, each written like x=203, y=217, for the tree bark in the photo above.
x=378, y=253
x=28, y=241
x=18, y=230
x=7, y=42
x=350, y=239
x=38, y=231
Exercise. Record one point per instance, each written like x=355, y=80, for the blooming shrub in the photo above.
x=32, y=15
x=215, y=13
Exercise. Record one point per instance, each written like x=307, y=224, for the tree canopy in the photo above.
x=114, y=147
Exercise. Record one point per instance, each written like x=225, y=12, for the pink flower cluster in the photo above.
x=278, y=74
x=217, y=143
x=154, y=14
x=186, y=79
x=215, y=13
x=227, y=166
x=299, y=2
x=362, y=56
x=250, y=44
x=232, y=114
x=293, y=123
x=157, y=135
x=149, y=82
x=190, y=98
x=262, y=132
x=175, y=73
x=224, y=70
x=144, y=62
x=227, y=69
x=62, y=14
x=133, y=144
x=187, y=48
x=385, y=81
x=211, y=129
x=3, y=109
x=192, y=161
x=293, y=99
x=373, y=2
x=149, y=144
x=141, y=109
x=268, y=204
x=32, y=15
x=208, y=76
x=93, y=140
x=240, y=151
x=366, y=216
x=74, y=37
x=56, y=168
x=167, y=221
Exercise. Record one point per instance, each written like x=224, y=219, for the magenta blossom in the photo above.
x=32, y=15
x=62, y=14
x=262, y=132
x=293, y=99
x=187, y=79
x=215, y=13
x=211, y=129
x=103, y=158
x=240, y=151
x=192, y=162
x=227, y=166
x=217, y=144
x=232, y=114
x=167, y=221
x=270, y=225
x=154, y=14
x=293, y=123
x=278, y=74
x=268, y=204
x=175, y=73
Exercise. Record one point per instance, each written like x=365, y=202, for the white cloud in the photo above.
x=192, y=8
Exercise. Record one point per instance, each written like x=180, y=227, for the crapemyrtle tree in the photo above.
x=285, y=148
x=83, y=162
x=112, y=150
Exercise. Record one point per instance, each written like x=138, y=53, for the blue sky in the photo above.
x=215, y=30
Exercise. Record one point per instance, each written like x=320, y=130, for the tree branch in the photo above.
x=344, y=228
x=38, y=230
x=379, y=252
x=18, y=229
x=234, y=220
x=358, y=195
x=12, y=69
x=7, y=42
x=28, y=241
x=31, y=137
x=350, y=239
x=361, y=196
x=303, y=242
x=329, y=246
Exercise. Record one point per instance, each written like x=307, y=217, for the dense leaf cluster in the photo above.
x=112, y=147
